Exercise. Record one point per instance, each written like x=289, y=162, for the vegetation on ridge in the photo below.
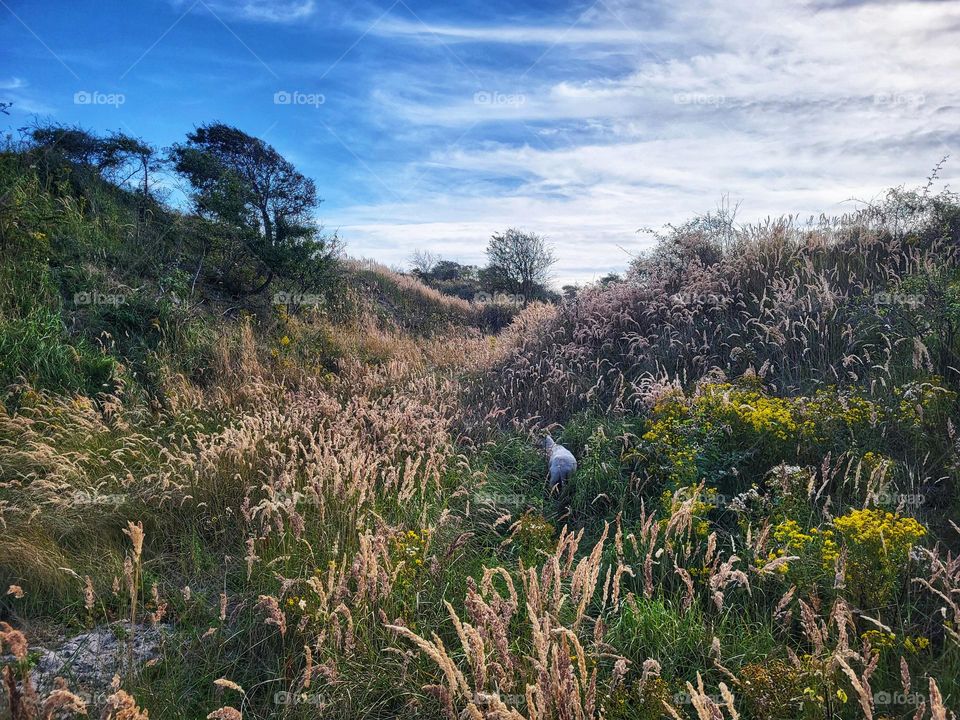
x=328, y=495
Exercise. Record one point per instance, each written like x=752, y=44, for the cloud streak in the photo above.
x=266, y=11
x=789, y=108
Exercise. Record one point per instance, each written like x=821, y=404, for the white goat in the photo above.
x=561, y=462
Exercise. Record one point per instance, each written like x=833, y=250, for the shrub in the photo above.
x=534, y=536
x=879, y=545
x=816, y=549
x=781, y=690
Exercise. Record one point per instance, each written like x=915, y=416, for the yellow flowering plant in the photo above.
x=639, y=700
x=671, y=442
x=750, y=411
x=817, y=551
x=831, y=415
x=923, y=405
x=777, y=688
x=878, y=545
x=704, y=500
x=409, y=548
x=916, y=644
x=729, y=430
x=534, y=536
x=724, y=432
x=879, y=639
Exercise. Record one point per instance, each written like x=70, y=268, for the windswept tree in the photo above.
x=118, y=157
x=522, y=260
x=72, y=144
x=130, y=159
x=451, y=271
x=242, y=182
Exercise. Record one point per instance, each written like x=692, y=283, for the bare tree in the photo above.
x=422, y=262
x=124, y=158
x=523, y=258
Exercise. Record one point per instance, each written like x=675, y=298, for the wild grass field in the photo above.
x=336, y=509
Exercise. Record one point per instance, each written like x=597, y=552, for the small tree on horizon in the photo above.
x=422, y=262
x=522, y=259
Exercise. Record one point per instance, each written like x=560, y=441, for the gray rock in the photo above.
x=90, y=660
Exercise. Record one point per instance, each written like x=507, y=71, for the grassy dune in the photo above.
x=335, y=508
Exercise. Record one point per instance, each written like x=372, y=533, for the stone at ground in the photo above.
x=89, y=661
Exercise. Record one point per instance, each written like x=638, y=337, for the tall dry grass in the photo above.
x=848, y=301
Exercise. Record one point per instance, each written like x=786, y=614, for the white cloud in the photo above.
x=572, y=33
x=24, y=101
x=789, y=108
x=13, y=83
x=270, y=11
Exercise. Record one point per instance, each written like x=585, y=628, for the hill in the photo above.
x=325, y=499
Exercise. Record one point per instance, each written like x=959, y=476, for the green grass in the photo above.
x=34, y=351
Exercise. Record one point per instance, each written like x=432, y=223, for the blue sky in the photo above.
x=430, y=125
